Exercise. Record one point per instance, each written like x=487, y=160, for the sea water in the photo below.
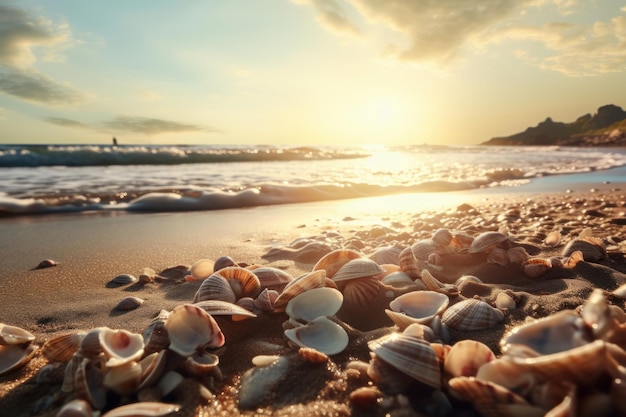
x=37, y=179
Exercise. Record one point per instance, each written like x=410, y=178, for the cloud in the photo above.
x=60, y=121
x=332, y=16
x=34, y=86
x=150, y=126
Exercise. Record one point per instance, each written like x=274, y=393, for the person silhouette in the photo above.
x=114, y=141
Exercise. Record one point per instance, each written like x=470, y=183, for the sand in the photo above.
x=93, y=248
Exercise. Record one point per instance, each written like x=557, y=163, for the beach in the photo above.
x=93, y=248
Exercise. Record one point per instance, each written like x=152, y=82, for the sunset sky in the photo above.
x=303, y=71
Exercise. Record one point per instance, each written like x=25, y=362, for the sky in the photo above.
x=303, y=71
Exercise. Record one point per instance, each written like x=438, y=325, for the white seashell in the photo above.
x=191, y=328
x=398, y=279
x=123, y=379
x=357, y=268
x=201, y=269
x=334, y=260
x=223, y=308
x=322, y=334
x=264, y=360
x=505, y=301
x=620, y=291
x=143, y=409
x=597, y=315
x=410, y=355
x=120, y=346
x=466, y=357
x=124, y=279
x=506, y=373
x=416, y=307
x=317, y=302
x=129, y=303
x=470, y=315
x=553, y=238
x=13, y=335
x=305, y=282
x=486, y=241
x=61, y=348
x=13, y=357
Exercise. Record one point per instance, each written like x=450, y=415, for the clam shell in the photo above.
x=416, y=307
x=202, y=269
x=317, y=302
x=272, y=278
x=265, y=300
x=470, y=315
x=191, y=328
x=466, y=357
x=505, y=301
x=305, y=282
x=143, y=409
x=89, y=383
x=223, y=308
x=223, y=262
x=201, y=364
x=215, y=287
x=123, y=279
x=13, y=357
x=76, y=408
x=357, y=268
x=387, y=254
x=13, y=335
x=442, y=237
x=517, y=254
x=152, y=367
x=129, y=303
x=321, y=334
x=410, y=355
x=334, y=260
x=423, y=248
x=553, y=238
x=242, y=281
x=120, y=346
x=360, y=291
x=593, y=249
x=61, y=347
x=90, y=345
x=398, y=279
x=486, y=241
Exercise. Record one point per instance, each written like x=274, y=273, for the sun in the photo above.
x=383, y=112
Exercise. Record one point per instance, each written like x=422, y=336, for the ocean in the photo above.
x=39, y=179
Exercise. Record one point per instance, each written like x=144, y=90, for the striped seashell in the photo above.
x=215, y=287
x=314, y=303
x=89, y=383
x=423, y=248
x=191, y=329
x=123, y=279
x=13, y=335
x=223, y=262
x=61, y=347
x=388, y=378
x=593, y=249
x=202, y=269
x=442, y=237
x=265, y=300
x=433, y=284
x=471, y=314
x=155, y=337
x=410, y=355
x=129, y=303
x=333, y=261
x=152, y=367
x=90, y=345
x=461, y=241
x=13, y=357
x=272, y=278
x=387, y=254
x=243, y=282
x=409, y=264
x=305, y=282
x=486, y=241
x=361, y=291
x=536, y=267
x=224, y=308
x=573, y=260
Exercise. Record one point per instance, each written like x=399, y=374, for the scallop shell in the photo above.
x=215, y=287
x=387, y=254
x=487, y=240
x=61, y=347
x=13, y=335
x=442, y=237
x=321, y=334
x=272, y=278
x=466, y=357
x=318, y=302
x=361, y=291
x=123, y=279
x=423, y=248
x=129, y=303
x=410, y=355
x=357, y=268
x=224, y=308
x=416, y=307
x=305, y=282
x=471, y=314
x=536, y=267
x=120, y=346
x=191, y=328
x=593, y=249
x=143, y=409
x=334, y=260
x=13, y=357
x=202, y=269
x=243, y=282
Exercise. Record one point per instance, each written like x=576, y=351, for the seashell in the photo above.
x=334, y=260
x=123, y=279
x=466, y=357
x=553, y=238
x=321, y=334
x=461, y=241
x=215, y=287
x=46, y=263
x=365, y=397
x=467, y=278
x=175, y=272
x=62, y=347
x=242, y=281
x=247, y=303
x=361, y=291
x=573, y=260
x=76, y=408
x=143, y=409
x=387, y=377
x=593, y=250
x=51, y=374
x=152, y=367
x=191, y=329
x=305, y=282
x=312, y=355
x=223, y=262
x=517, y=255
x=498, y=256
x=398, y=279
x=223, y=308
x=410, y=355
x=471, y=314
x=201, y=364
x=620, y=291
x=123, y=379
x=597, y=315
x=264, y=360
x=90, y=345
x=409, y=264
x=202, y=269
x=147, y=275
x=89, y=385
x=433, y=284
x=13, y=335
x=536, y=267
x=505, y=301
x=272, y=278
x=129, y=303
x=387, y=254
x=13, y=357
x=357, y=268
x=423, y=248
x=155, y=337
x=120, y=346
x=317, y=302
x=486, y=241
x=416, y=307
x=506, y=373
x=265, y=300
x=442, y=237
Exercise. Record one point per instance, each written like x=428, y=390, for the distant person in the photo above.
x=114, y=141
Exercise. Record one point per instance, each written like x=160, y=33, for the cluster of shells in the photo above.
x=561, y=364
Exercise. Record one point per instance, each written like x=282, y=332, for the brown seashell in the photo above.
x=89, y=383
x=243, y=282
x=442, y=237
x=553, y=238
x=46, y=263
x=201, y=364
x=61, y=347
x=361, y=291
x=201, y=269
x=152, y=367
x=536, y=267
x=409, y=264
x=498, y=256
x=312, y=355
x=76, y=408
x=123, y=279
x=423, y=248
x=314, y=279
x=517, y=255
x=486, y=241
x=272, y=278
x=13, y=357
x=265, y=300
x=471, y=314
x=573, y=259
x=155, y=337
x=334, y=260
x=466, y=357
x=224, y=308
x=365, y=397
x=123, y=379
x=433, y=284
x=129, y=303
x=593, y=249
x=215, y=287
x=223, y=262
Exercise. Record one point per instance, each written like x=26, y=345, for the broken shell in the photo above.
x=201, y=269
x=357, y=268
x=416, y=307
x=61, y=348
x=410, y=355
x=321, y=334
x=143, y=409
x=13, y=357
x=120, y=346
x=13, y=335
x=471, y=314
x=334, y=260
x=486, y=241
x=466, y=357
x=123, y=279
x=129, y=303
x=305, y=282
x=191, y=329
x=317, y=302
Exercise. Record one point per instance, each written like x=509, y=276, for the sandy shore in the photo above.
x=91, y=249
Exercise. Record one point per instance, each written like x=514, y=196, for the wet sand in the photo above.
x=91, y=249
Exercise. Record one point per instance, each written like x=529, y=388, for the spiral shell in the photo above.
x=409, y=263
x=471, y=314
x=242, y=281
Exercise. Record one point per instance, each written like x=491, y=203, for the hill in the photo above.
x=605, y=128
